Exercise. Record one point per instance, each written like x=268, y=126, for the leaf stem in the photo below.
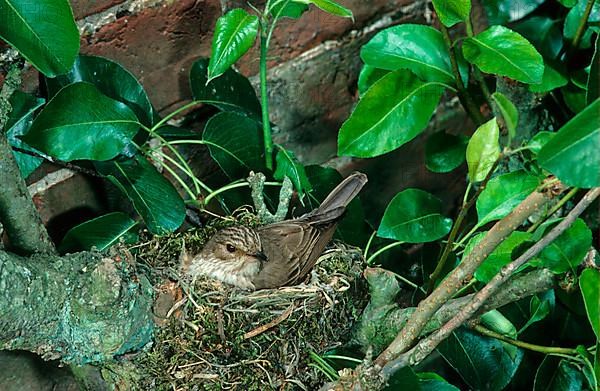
x=525, y=345
x=233, y=185
x=556, y=207
x=264, y=98
x=463, y=95
x=381, y=251
x=368, y=246
x=476, y=71
x=582, y=25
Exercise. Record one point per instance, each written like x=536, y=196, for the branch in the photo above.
x=18, y=214
x=81, y=308
x=427, y=345
x=463, y=272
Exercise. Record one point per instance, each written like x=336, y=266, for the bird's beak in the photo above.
x=261, y=256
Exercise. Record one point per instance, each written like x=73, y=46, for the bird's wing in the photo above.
x=293, y=248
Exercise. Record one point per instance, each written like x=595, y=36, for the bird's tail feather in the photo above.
x=343, y=193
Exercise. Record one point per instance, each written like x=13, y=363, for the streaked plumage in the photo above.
x=277, y=254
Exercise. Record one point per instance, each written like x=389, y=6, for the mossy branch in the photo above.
x=18, y=214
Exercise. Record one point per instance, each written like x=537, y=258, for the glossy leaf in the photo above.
x=574, y=17
x=555, y=374
x=574, y=97
x=544, y=33
x=101, y=233
x=504, y=11
x=392, y=112
x=539, y=309
x=501, y=51
x=572, y=154
x=230, y=92
x=234, y=34
x=414, y=216
x=593, y=82
x=568, y=250
x=500, y=257
x=153, y=196
x=483, y=150
x=451, y=12
x=538, y=141
x=288, y=165
x=502, y=194
x=288, y=9
x=81, y=123
x=495, y=321
x=352, y=229
x=112, y=80
x=403, y=379
x=368, y=76
x=235, y=142
x=332, y=7
x=411, y=46
x=430, y=381
x=509, y=112
x=18, y=123
x=444, y=152
x=43, y=31
x=483, y=363
x=589, y=283
x=550, y=80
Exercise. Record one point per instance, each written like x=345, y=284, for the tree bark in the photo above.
x=81, y=308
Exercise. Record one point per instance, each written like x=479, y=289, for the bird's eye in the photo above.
x=230, y=248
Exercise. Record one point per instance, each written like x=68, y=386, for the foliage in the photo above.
x=96, y=114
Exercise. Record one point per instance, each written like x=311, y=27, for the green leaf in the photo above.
x=544, y=33
x=234, y=34
x=494, y=320
x=230, y=92
x=593, y=82
x=352, y=229
x=332, y=7
x=414, y=216
x=484, y=363
x=555, y=374
x=574, y=97
x=502, y=194
x=572, y=155
x=288, y=9
x=19, y=121
x=539, y=309
x=504, y=11
x=451, y=12
x=404, y=379
x=550, y=80
x=368, y=76
x=509, y=112
x=500, y=257
x=574, y=17
x=235, y=142
x=153, y=196
x=501, y=51
x=483, y=150
x=429, y=381
x=568, y=250
x=43, y=31
x=589, y=283
x=101, y=233
x=81, y=123
x=538, y=141
x=288, y=165
x=112, y=80
x=411, y=46
x=392, y=112
x=568, y=3
x=444, y=152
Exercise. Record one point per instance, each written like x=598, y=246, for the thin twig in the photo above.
x=525, y=345
x=582, y=25
x=261, y=329
x=427, y=345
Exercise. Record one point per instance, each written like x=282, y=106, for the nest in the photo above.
x=215, y=337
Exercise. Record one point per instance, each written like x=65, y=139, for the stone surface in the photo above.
x=83, y=8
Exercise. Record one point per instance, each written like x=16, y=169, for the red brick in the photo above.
x=83, y=8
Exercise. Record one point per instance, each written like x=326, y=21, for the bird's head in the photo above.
x=232, y=253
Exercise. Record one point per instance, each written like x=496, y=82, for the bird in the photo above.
x=277, y=254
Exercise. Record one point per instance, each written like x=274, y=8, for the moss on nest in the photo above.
x=225, y=338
